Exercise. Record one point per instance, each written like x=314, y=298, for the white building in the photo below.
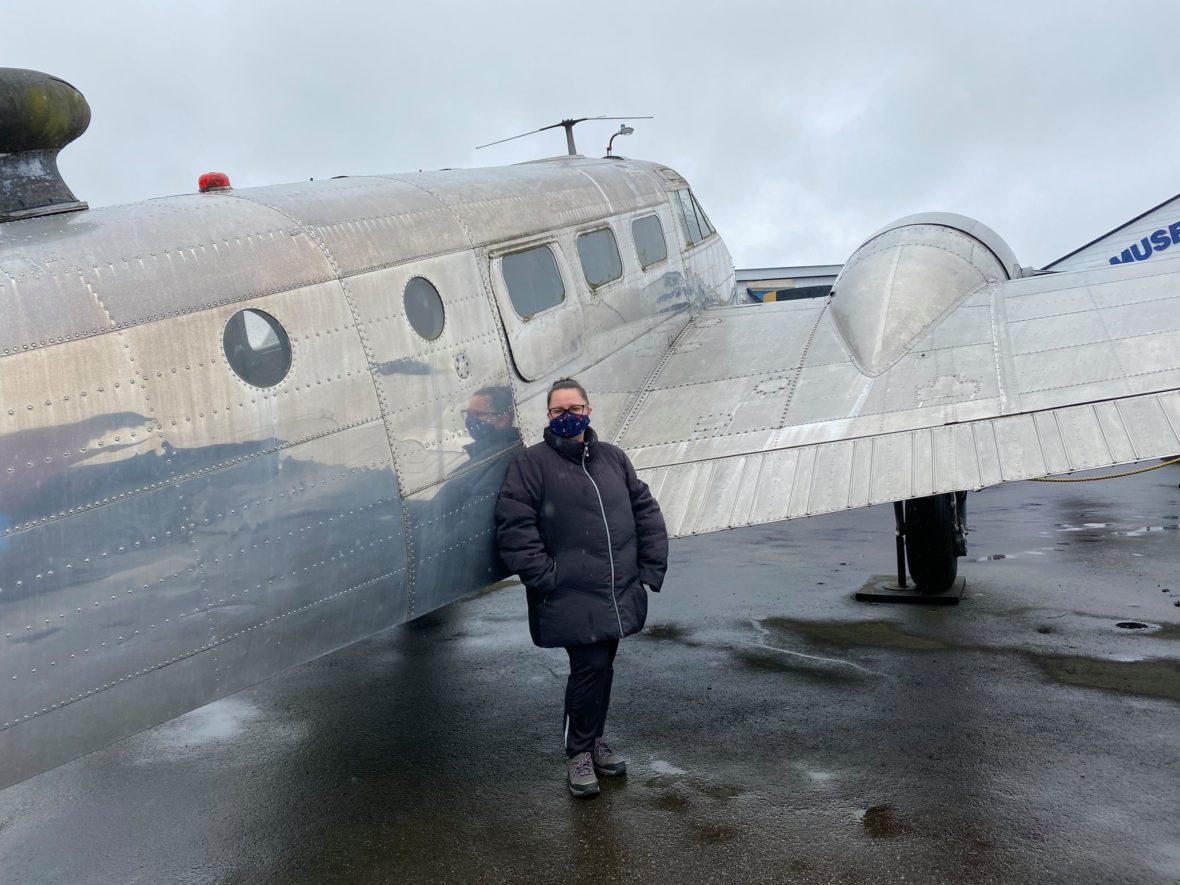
x=1142, y=238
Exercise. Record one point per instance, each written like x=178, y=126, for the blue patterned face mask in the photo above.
x=569, y=425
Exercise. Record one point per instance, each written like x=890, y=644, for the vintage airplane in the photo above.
x=240, y=429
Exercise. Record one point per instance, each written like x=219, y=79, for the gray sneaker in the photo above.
x=580, y=774
x=606, y=760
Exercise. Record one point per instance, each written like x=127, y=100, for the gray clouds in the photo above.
x=802, y=128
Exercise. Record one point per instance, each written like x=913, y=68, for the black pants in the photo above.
x=587, y=693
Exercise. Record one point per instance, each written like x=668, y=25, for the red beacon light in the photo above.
x=213, y=181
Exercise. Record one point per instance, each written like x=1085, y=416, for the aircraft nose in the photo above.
x=906, y=276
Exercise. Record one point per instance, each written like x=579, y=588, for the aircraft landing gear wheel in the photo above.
x=932, y=541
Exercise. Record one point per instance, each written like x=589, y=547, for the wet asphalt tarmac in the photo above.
x=777, y=730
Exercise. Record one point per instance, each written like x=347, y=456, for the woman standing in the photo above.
x=587, y=540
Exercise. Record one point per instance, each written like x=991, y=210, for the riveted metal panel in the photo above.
x=676, y=497
x=1143, y=318
x=514, y=201
x=1114, y=287
x=1051, y=443
x=826, y=393
x=368, y=222
x=454, y=537
x=800, y=502
x=196, y=399
x=89, y=602
x=746, y=493
x=833, y=470
x=1113, y=432
x=1072, y=393
x=171, y=256
x=1031, y=305
x=923, y=470
x=720, y=495
x=860, y=480
x=776, y=481
x=76, y=430
x=1083, y=438
x=425, y=385
x=752, y=346
x=1148, y=425
x=969, y=324
x=1067, y=366
x=933, y=378
x=275, y=532
x=702, y=480
x=42, y=298
x=1047, y=333
x=194, y=571
x=944, y=454
x=892, y=473
x=966, y=458
x=1019, y=447
x=1159, y=350
x=726, y=416
x=987, y=452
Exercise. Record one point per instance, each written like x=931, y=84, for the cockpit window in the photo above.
x=600, y=256
x=649, y=240
x=424, y=308
x=257, y=348
x=692, y=216
x=533, y=280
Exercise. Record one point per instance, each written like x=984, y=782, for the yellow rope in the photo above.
x=1108, y=476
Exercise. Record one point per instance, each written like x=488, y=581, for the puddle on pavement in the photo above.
x=674, y=802
x=813, y=671
x=1152, y=678
x=1135, y=533
x=846, y=634
x=883, y=822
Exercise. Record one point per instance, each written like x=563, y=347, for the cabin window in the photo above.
x=424, y=308
x=600, y=256
x=649, y=240
x=533, y=280
x=257, y=348
x=696, y=225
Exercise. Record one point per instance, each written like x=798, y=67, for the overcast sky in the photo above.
x=802, y=127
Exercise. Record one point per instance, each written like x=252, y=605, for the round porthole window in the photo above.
x=424, y=308
x=257, y=348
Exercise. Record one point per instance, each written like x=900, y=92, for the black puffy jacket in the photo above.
x=584, y=534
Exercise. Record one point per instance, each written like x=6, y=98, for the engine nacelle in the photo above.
x=905, y=277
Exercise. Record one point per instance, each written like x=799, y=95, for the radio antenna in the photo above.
x=568, y=125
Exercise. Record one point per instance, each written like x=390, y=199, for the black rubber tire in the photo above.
x=930, y=542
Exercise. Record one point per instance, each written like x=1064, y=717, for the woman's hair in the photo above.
x=567, y=384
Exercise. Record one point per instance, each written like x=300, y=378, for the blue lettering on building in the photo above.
x=1155, y=242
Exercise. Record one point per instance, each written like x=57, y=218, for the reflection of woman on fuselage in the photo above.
x=489, y=421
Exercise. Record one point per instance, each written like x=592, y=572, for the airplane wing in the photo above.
x=933, y=367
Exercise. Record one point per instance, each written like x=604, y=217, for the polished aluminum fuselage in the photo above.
x=170, y=534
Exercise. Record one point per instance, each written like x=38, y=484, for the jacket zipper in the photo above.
x=609, y=549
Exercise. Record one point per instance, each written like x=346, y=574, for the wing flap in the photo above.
x=740, y=490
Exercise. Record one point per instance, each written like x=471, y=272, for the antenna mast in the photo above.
x=568, y=125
